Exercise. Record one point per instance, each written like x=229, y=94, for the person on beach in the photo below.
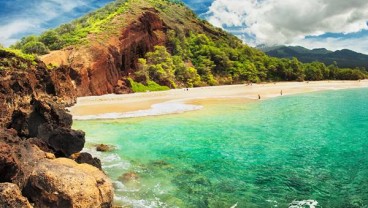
x=259, y=96
x=281, y=92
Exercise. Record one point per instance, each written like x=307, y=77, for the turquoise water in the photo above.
x=261, y=154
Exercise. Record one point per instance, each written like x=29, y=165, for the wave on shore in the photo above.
x=155, y=110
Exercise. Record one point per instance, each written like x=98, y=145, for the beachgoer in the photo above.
x=259, y=96
x=281, y=92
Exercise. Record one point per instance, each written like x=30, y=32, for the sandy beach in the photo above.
x=181, y=100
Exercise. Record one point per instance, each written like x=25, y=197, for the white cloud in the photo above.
x=13, y=28
x=34, y=16
x=290, y=21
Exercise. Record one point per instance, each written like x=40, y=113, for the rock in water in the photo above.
x=130, y=176
x=11, y=196
x=104, y=148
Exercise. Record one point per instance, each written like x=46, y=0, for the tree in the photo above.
x=187, y=75
x=312, y=72
x=65, y=28
x=20, y=44
x=51, y=39
x=161, y=67
x=35, y=47
x=297, y=70
x=142, y=74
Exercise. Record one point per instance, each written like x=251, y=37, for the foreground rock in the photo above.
x=64, y=183
x=59, y=182
x=11, y=196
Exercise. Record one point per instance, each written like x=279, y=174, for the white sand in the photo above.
x=179, y=100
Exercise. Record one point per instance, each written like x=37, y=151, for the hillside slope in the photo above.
x=104, y=57
x=343, y=58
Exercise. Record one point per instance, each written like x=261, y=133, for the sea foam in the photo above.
x=155, y=110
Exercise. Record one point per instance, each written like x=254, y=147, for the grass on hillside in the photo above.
x=150, y=87
x=20, y=54
x=15, y=59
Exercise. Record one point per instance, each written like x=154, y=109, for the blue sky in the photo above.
x=331, y=24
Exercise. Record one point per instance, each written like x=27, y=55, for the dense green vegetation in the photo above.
x=198, y=60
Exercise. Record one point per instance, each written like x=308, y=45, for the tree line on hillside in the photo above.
x=197, y=60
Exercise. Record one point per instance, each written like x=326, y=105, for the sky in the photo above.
x=331, y=24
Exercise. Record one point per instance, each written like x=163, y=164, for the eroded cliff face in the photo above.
x=36, y=141
x=100, y=64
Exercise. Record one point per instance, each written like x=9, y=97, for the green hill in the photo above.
x=161, y=43
x=343, y=58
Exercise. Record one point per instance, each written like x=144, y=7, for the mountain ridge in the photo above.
x=344, y=58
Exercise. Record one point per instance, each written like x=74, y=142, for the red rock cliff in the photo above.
x=99, y=65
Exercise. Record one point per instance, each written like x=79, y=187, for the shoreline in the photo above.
x=113, y=106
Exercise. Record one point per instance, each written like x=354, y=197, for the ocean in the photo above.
x=268, y=153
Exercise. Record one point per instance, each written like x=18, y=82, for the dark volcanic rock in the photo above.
x=66, y=141
x=8, y=164
x=11, y=197
x=48, y=121
x=85, y=157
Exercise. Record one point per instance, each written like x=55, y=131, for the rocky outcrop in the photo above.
x=48, y=121
x=11, y=197
x=35, y=133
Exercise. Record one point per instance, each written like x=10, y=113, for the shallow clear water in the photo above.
x=262, y=154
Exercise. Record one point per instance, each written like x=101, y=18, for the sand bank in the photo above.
x=181, y=100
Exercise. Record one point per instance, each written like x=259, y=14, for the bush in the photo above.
x=35, y=47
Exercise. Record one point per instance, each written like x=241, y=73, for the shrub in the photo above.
x=35, y=47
